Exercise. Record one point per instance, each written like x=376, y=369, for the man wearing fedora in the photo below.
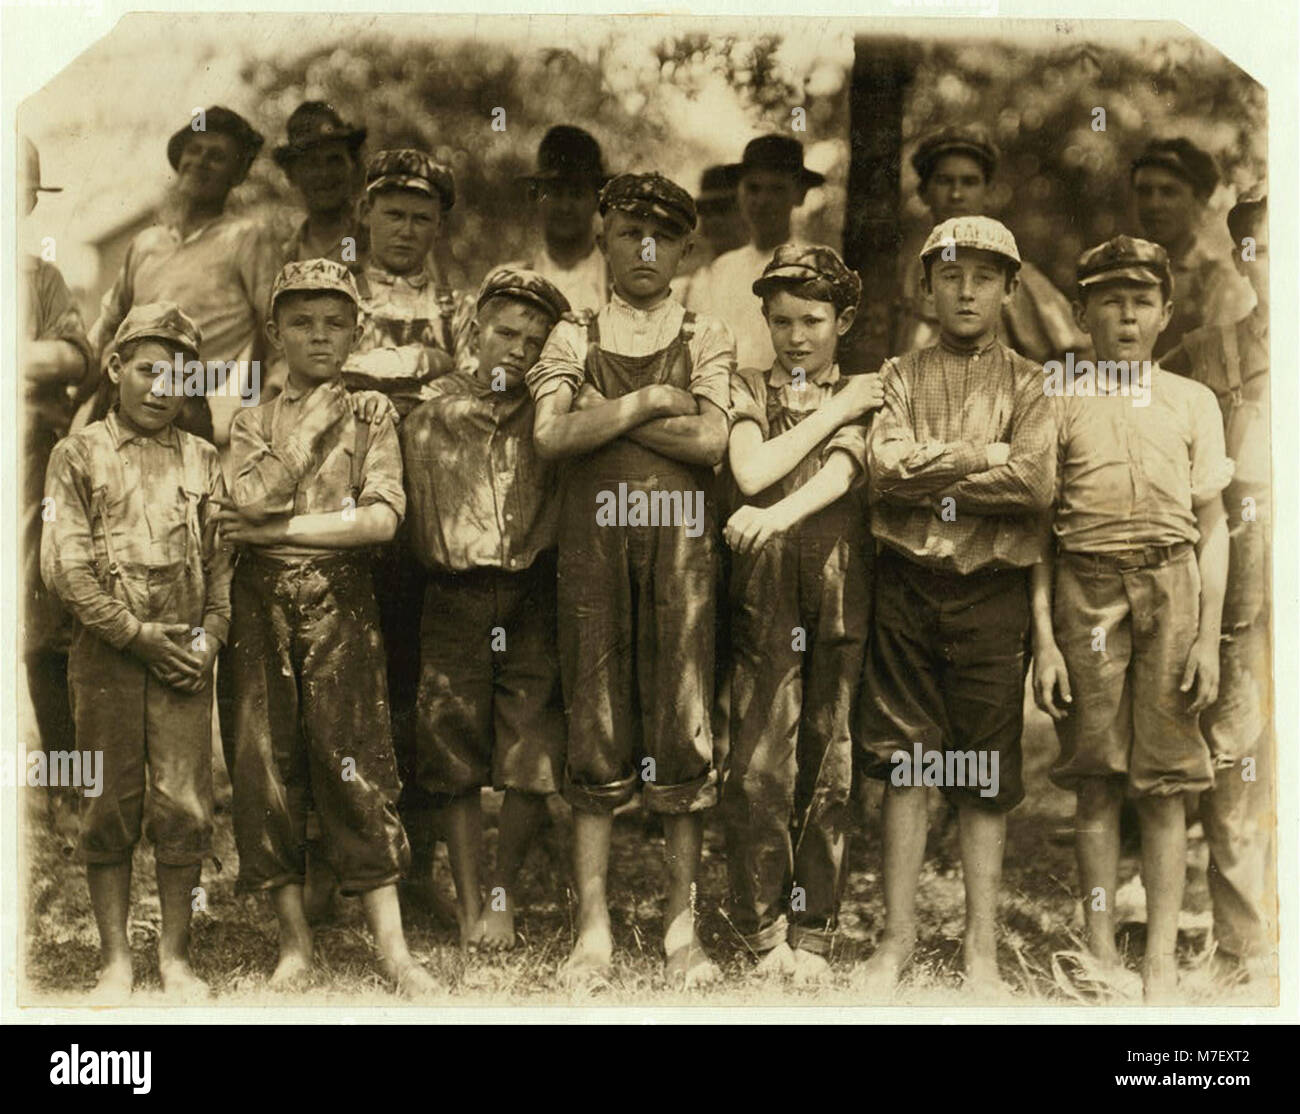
x=771, y=182
x=565, y=188
x=322, y=160
x=721, y=227
x=218, y=267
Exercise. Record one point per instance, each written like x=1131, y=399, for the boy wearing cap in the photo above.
x=1172, y=181
x=1238, y=814
x=637, y=397
x=216, y=266
x=131, y=549
x=955, y=167
x=1127, y=609
x=800, y=602
x=314, y=484
x=771, y=182
x=322, y=160
x=962, y=468
x=482, y=521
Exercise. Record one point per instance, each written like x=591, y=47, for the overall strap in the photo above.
x=359, y=448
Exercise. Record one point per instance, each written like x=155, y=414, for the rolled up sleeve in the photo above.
x=713, y=362
x=561, y=362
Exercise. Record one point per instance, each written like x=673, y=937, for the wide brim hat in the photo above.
x=717, y=187
x=779, y=153
x=569, y=153
x=223, y=121
x=312, y=124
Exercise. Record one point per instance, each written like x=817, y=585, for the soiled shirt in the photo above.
x=628, y=331
x=480, y=497
x=929, y=442
x=51, y=314
x=724, y=290
x=275, y=473
x=1132, y=476
x=220, y=274
x=409, y=331
x=773, y=401
x=127, y=524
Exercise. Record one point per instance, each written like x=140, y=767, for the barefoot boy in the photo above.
x=1127, y=610
x=313, y=484
x=130, y=547
x=800, y=602
x=638, y=397
x=482, y=520
x=962, y=473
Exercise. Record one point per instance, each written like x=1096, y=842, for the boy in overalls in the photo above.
x=638, y=397
x=130, y=547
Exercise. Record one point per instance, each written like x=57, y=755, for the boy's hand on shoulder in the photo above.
x=751, y=528
x=862, y=394
x=999, y=453
x=1202, y=673
x=327, y=404
x=1051, y=681
x=372, y=407
x=160, y=647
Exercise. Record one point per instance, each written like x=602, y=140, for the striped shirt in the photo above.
x=934, y=496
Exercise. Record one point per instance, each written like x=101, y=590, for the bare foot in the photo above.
x=590, y=964
x=410, y=980
x=497, y=928
x=777, y=963
x=688, y=967
x=1160, y=980
x=810, y=969
x=878, y=976
x=293, y=972
x=179, y=981
x=471, y=929
x=114, y=983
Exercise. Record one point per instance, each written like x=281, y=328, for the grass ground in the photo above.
x=234, y=940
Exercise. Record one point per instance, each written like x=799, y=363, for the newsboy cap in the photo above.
x=164, y=321
x=792, y=264
x=1183, y=158
x=975, y=233
x=525, y=286
x=405, y=168
x=1125, y=258
x=967, y=139
x=650, y=195
x=222, y=121
x=316, y=275
x=311, y=124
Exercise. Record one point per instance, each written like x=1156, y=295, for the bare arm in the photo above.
x=692, y=438
x=561, y=431
x=372, y=524
x=750, y=528
x=1202, y=669
x=1051, y=681
x=53, y=361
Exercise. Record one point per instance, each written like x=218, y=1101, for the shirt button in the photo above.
x=509, y=517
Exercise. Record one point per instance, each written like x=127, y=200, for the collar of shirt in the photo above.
x=778, y=377
x=971, y=349
x=417, y=280
x=620, y=304
x=296, y=393
x=174, y=228
x=467, y=377
x=122, y=433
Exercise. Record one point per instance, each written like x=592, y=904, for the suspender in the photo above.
x=360, y=445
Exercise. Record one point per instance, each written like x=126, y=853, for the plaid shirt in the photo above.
x=929, y=443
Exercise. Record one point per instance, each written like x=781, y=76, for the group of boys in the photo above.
x=467, y=558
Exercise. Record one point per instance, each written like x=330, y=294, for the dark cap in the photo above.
x=1125, y=258
x=408, y=169
x=968, y=139
x=570, y=154
x=717, y=188
x=792, y=264
x=650, y=195
x=780, y=153
x=1181, y=157
x=311, y=124
x=1242, y=217
x=164, y=321
x=525, y=286
x=318, y=276
x=222, y=121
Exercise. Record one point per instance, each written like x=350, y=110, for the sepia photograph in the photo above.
x=643, y=511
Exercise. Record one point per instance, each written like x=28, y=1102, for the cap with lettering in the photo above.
x=969, y=139
x=319, y=275
x=164, y=321
x=795, y=263
x=1125, y=258
x=976, y=233
x=650, y=195
x=405, y=168
x=526, y=286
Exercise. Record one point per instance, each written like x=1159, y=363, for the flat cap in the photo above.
x=1183, y=158
x=405, y=168
x=969, y=139
x=526, y=286
x=320, y=275
x=222, y=121
x=650, y=195
x=1125, y=258
x=976, y=233
x=795, y=263
x=311, y=124
x=164, y=321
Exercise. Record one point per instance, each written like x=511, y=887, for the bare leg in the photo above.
x=686, y=962
x=384, y=915
x=176, y=885
x=461, y=820
x=905, y=823
x=294, y=966
x=1164, y=872
x=594, y=949
x=1096, y=845
x=983, y=838
x=521, y=815
x=110, y=897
